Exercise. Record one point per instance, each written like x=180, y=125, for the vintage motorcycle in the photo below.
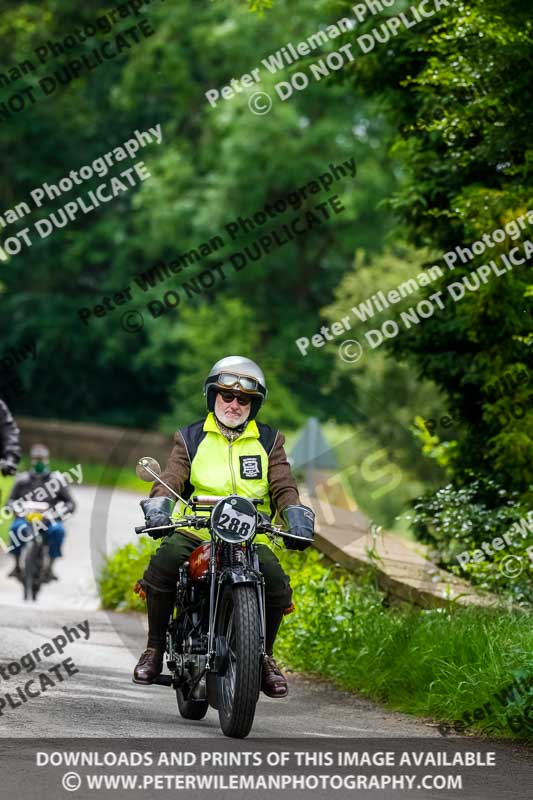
x=34, y=554
x=216, y=635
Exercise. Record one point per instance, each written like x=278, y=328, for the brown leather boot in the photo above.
x=149, y=666
x=273, y=683
x=160, y=606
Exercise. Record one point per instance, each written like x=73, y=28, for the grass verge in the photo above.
x=5, y=489
x=438, y=664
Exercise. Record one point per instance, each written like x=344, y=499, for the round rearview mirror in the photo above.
x=148, y=469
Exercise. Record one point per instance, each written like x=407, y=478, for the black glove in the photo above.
x=7, y=467
x=300, y=521
x=157, y=511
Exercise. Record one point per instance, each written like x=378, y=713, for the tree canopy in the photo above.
x=458, y=91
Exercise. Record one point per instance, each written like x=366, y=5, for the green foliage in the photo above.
x=5, y=489
x=202, y=336
x=383, y=396
x=460, y=520
x=120, y=573
x=443, y=452
x=214, y=165
x=454, y=518
x=329, y=607
x=456, y=88
x=507, y=572
x=260, y=5
x=434, y=663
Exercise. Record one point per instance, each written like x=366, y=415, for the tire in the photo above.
x=188, y=708
x=28, y=586
x=238, y=688
x=32, y=571
x=191, y=709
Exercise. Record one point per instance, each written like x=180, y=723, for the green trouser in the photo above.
x=162, y=574
x=163, y=571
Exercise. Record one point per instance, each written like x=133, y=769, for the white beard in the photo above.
x=231, y=422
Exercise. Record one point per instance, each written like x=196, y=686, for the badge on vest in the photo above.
x=251, y=467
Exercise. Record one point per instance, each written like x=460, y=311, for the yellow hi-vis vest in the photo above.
x=220, y=467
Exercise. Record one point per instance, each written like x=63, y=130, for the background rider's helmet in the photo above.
x=39, y=457
x=240, y=375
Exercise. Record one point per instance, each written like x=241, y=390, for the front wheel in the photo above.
x=33, y=563
x=238, y=686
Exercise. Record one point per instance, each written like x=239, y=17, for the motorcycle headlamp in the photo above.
x=234, y=520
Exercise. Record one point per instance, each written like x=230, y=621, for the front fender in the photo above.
x=234, y=575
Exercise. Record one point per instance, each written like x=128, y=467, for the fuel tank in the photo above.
x=199, y=561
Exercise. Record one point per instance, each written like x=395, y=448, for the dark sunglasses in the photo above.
x=228, y=397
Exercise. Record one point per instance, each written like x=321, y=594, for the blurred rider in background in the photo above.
x=36, y=486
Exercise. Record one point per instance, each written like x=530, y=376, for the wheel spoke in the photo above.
x=230, y=676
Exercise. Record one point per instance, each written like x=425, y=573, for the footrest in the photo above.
x=164, y=680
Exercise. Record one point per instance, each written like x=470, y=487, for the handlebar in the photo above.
x=200, y=522
x=33, y=505
x=185, y=522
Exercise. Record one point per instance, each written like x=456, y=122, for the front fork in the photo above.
x=213, y=605
x=215, y=589
x=261, y=602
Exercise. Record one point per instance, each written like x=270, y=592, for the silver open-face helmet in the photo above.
x=240, y=375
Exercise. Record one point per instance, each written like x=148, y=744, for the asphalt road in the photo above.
x=100, y=700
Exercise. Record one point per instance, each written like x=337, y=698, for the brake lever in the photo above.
x=193, y=522
x=288, y=535
x=272, y=532
x=145, y=529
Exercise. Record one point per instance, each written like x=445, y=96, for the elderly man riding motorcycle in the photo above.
x=227, y=453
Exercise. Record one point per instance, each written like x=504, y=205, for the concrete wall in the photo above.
x=98, y=444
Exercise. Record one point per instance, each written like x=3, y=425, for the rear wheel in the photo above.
x=28, y=586
x=238, y=687
x=189, y=707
